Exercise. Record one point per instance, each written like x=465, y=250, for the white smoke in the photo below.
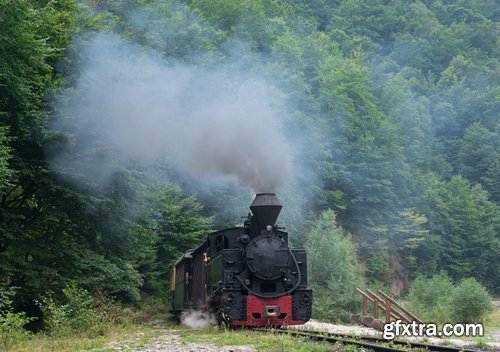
x=210, y=122
x=197, y=319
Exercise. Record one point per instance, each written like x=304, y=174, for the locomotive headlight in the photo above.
x=269, y=228
x=247, y=282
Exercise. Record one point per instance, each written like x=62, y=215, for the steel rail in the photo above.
x=413, y=344
x=346, y=339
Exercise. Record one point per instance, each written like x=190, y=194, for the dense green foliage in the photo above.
x=73, y=316
x=335, y=279
x=470, y=302
x=430, y=297
x=56, y=230
x=393, y=108
x=11, y=323
x=437, y=299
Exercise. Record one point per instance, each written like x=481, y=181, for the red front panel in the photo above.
x=268, y=311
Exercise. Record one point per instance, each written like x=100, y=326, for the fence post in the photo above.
x=387, y=311
x=364, y=307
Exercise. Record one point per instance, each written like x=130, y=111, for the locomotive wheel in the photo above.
x=222, y=320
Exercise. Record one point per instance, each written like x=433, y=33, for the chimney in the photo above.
x=266, y=208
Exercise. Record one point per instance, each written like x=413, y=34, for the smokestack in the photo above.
x=266, y=208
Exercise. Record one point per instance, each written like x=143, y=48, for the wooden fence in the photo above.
x=383, y=305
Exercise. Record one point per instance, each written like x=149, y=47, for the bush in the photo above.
x=334, y=272
x=429, y=298
x=437, y=299
x=76, y=315
x=469, y=302
x=11, y=323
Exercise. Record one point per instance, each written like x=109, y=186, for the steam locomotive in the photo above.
x=246, y=275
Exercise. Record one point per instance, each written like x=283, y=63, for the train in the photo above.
x=247, y=276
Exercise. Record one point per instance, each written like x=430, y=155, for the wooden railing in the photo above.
x=381, y=301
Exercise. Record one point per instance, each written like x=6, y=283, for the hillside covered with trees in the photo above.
x=389, y=112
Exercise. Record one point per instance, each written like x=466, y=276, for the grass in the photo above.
x=283, y=342
x=124, y=336
x=260, y=341
x=492, y=321
x=136, y=336
x=491, y=324
x=126, y=328
x=134, y=333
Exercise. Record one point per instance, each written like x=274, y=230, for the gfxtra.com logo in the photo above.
x=398, y=329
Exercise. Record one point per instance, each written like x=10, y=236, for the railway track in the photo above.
x=368, y=342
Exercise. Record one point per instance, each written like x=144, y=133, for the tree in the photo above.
x=410, y=113
x=5, y=155
x=367, y=157
x=466, y=224
x=333, y=270
x=171, y=225
x=477, y=151
x=29, y=201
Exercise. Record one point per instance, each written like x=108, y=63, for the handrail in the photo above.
x=393, y=301
x=389, y=305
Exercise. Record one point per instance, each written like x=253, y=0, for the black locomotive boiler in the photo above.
x=247, y=275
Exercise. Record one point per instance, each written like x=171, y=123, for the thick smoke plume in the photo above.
x=208, y=121
x=197, y=319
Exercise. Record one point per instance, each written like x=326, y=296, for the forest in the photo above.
x=130, y=129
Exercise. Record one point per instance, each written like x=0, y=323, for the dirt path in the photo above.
x=171, y=342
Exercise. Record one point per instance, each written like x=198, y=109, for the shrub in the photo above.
x=429, y=298
x=334, y=272
x=437, y=299
x=76, y=315
x=11, y=323
x=469, y=302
